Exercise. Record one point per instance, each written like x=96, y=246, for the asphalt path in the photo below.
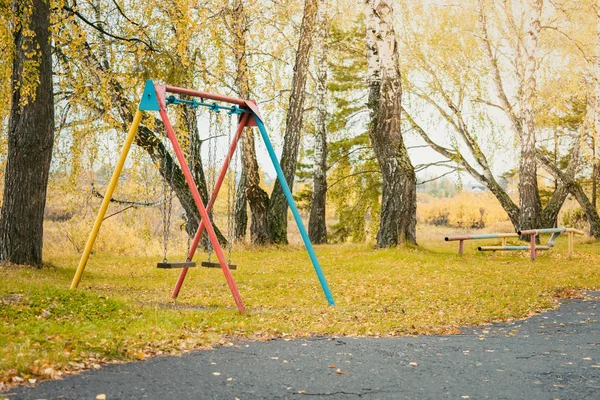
x=552, y=355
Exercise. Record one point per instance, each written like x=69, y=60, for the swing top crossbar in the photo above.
x=238, y=106
x=207, y=96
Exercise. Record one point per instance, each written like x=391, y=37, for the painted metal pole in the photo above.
x=480, y=236
x=200, y=205
x=107, y=196
x=211, y=202
x=540, y=231
x=292, y=204
x=512, y=248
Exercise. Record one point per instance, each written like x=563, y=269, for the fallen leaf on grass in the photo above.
x=413, y=364
x=340, y=372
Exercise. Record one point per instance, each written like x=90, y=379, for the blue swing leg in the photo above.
x=292, y=204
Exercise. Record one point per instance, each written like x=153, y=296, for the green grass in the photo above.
x=122, y=309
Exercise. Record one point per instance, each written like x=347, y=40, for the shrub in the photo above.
x=574, y=218
x=466, y=210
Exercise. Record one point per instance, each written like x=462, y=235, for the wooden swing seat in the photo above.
x=208, y=264
x=168, y=264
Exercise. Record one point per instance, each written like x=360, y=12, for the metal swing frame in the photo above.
x=155, y=98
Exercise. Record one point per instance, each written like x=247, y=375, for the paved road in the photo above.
x=551, y=355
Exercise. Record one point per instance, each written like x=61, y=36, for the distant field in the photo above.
x=122, y=309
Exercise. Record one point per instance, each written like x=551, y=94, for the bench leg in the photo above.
x=532, y=247
x=570, y=237
x=461, y=247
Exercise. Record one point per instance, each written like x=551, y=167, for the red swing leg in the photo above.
x=198, y=201
x=213, y=197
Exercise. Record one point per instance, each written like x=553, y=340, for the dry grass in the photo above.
x=465, y=210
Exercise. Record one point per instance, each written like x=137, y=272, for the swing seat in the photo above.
x=185, y=264
x=208, y=264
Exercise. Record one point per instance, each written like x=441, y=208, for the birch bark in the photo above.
x=317, y=227
x=398, y=203
x=529, y=198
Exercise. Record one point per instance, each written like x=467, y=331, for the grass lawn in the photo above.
x=122, y=309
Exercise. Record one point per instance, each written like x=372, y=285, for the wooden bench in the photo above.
x=533, y=248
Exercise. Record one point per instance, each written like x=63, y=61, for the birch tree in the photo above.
x=277, y=214
x=596, y=135
x=522, y=117
x=453, y=79
x=317, y=227
x=250, y=189
x=398, y=200
x=529, y=198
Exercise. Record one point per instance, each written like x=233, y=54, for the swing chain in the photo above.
x=167, y=205
x=230, y=191
x=212, y=154
x=194, y=150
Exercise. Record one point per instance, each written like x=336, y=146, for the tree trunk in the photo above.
x=575, y=188
x=590, y=213
x=256, y=197
x=317, y=226
x=596, y=137
x=398, y=202
x=194, y=160
x=595, y=170
x=30, y=136
x=485, y=178
x=529, y=198
x=171, y=172
x=277, y=218
x=241, y=206
x=549, y=216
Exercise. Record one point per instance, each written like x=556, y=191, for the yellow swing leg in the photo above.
x=107, y=196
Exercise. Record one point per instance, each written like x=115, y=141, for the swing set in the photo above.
x=157, y=97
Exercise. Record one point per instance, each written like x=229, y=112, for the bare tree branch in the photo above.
x=103, y=31
x=437, y=177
